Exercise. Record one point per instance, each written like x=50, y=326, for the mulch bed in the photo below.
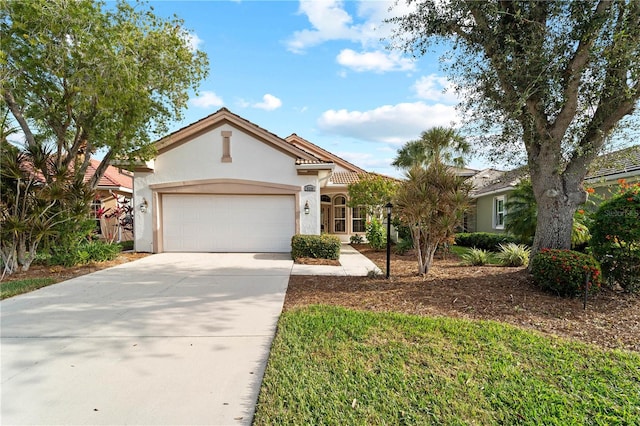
x=611, y=319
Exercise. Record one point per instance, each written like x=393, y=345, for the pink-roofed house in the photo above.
x=110, y=207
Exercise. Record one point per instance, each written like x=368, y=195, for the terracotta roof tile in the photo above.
x=345, y=178
x=113, y=177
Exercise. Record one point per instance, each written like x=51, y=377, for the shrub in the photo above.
x=563, y=271
x=403, y=246
x=484, y=240
x=126, y=245
x=85, y=252
x=376, y=236
x=323, y=246
x=356, y=239
x=512, y=254
x=615, y=239
x=475, y=257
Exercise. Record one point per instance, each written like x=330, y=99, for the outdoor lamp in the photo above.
x=143, y=205
x=306, y=207
x=388, y=206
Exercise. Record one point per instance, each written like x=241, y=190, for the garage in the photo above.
x=227, y=223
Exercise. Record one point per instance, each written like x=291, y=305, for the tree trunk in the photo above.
x=555, y=221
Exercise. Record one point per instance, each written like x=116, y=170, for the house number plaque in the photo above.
x=309, y=188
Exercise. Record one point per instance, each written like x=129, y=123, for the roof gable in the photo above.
x=321, y=153
x=224, y=116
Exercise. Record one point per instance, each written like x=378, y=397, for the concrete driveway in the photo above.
x=168, y=339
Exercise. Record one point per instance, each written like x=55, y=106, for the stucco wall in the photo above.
x=200, y=159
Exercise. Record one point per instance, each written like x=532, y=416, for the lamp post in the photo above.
x=388, y=206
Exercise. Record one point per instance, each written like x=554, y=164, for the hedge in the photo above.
x=484, y=240
x=323, y=246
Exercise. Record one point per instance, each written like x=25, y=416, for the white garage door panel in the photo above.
x=228, y=223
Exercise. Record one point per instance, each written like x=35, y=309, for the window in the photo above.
x=96, y=213
x=340, y=214
x=359, y=217
x=498, y=212
x=325, y=199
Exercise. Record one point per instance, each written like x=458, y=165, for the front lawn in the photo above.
x=331, y=365
x=13, y=288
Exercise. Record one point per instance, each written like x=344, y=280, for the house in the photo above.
x=111, y=205
x=492, y=187
x=225, y=184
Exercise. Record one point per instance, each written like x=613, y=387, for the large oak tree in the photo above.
x=558, y=76
x=80, y=77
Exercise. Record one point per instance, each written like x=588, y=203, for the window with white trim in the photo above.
x=96, y=213
x=499, y=212
x=359, y=216
x=339, y=214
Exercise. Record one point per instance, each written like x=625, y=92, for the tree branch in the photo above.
x=574, y=70
x=93, y=183
x=15, y=110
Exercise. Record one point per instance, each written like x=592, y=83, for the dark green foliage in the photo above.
x=615, y=237
x=323, y=246
x=85, y=252
x=484, y=240
x=126, y=245
x=564, y=271
x=356, y=239
x=376, y=235
x=441, y=143
x=403, y=246
x=521, y=206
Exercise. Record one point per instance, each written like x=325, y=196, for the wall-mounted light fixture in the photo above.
x=306, y=207
x=144, y=205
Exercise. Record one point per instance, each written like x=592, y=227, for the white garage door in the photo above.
x=228, y=223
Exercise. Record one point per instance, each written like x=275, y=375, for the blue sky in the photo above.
x=318, y=69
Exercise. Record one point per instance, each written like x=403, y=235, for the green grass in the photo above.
x=333, y=366
x=13, y=288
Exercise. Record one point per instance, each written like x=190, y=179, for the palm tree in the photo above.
x=431, y=201
x=436, y=144
x=521, y=210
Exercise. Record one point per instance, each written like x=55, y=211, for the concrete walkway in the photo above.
x=168, y=339
x=352, y=263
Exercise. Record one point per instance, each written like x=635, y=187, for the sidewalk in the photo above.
x=352, y=264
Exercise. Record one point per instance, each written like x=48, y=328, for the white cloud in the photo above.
x=374, y=61
x=206, y=100
x=269, y=103
x=330, y=21
x=435, y=88
x=395, y=124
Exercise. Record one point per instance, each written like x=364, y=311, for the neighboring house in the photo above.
x=113, y=196
x=224, y=184
x=492, y=187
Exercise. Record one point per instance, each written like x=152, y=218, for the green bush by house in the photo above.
x=615, y=239
x=323, y=246
x=564, y=271
x=484, y=240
